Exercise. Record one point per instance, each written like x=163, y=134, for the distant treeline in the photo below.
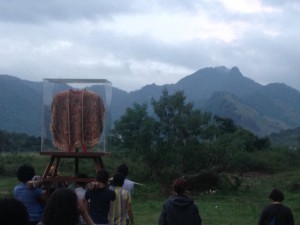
x=15, y=142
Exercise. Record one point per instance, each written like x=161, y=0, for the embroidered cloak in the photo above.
x=77, y=119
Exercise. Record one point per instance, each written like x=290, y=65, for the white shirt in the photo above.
x=80, y=192
x=128, y=185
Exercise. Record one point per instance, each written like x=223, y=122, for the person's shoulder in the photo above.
x=128, y=185
x=111, y=191
x=168, y=201
x=80, y=190
x=16, y=187
x=20, y=185
x=286, y=208
x=268, y=207
x=129, y=182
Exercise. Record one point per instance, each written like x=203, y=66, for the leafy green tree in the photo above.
x=135, y=131
x=180, y=129
x=179, y=139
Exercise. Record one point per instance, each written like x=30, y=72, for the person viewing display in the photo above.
x=100, y=198
x=63, y=209
x=179, y=209
x=128, y=184
x=276, y=212
x=121, y=207
x=29, y=194
x=13, y=212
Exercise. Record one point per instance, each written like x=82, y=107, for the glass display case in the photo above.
x=76, y=116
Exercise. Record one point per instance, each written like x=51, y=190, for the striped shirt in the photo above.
x=118, y=208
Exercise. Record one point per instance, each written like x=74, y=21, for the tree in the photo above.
x=135, y=131
x=179, y=139
x=180, y=128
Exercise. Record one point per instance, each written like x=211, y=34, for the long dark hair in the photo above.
x=12, y=211
x=61, y=208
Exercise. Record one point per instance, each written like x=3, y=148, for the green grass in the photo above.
x=6, y=186
x=239, y=208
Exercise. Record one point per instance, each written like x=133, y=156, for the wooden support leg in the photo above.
x=98, y=163
x=76, y=166
x=46, y=172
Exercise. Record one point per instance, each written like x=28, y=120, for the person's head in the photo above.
x=179, y=185
x=25, y=173
x=118, y=180
x=61, y=208
x=12, y=211
x=102, y=176
x=276, y=195
x=81, y=184
x=123, y=169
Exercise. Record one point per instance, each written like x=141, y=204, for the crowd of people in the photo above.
x=103, y=202
x=108, y=202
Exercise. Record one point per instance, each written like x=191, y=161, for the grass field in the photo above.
x=239, y=208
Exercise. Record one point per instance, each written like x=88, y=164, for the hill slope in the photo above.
x=225, y=92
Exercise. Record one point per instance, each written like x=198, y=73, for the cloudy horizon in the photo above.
x=138, y=42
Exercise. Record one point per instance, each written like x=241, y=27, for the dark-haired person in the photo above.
x=276, y=209
x=100, y=198
x=30, y=195
x=128, y=184
x=13, y=212
x=179, y=209
x=121, y=207
x=63, y=209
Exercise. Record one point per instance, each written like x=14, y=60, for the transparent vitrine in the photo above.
x=76, y=115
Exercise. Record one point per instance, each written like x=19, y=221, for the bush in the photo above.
x=245, y=162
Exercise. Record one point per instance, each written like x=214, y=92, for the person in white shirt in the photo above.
x=80, y=192
x=128, y=184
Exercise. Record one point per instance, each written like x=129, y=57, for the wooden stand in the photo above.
x=55, y=159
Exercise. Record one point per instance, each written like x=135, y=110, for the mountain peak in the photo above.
x=219, y=70
x=235, y=71
x=223, y=69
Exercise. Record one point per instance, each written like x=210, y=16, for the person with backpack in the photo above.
x=276, y=213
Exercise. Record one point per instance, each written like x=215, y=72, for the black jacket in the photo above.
x=179, y=210
x=284, y=215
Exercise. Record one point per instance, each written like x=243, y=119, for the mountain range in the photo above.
x=262, y=109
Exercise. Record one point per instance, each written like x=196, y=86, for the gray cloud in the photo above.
x=134, y=43
x=46, y=11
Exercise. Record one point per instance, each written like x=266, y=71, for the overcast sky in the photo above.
x=139, y=42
